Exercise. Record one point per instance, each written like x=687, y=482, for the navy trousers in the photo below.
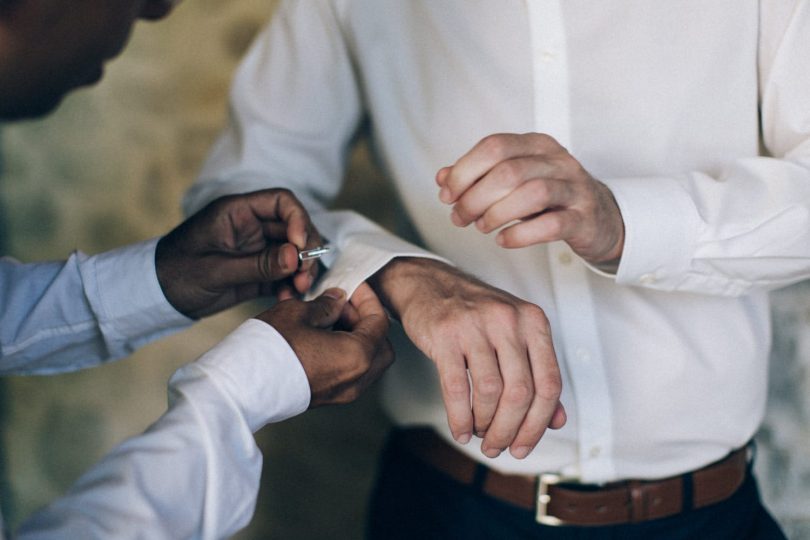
x=412, y=500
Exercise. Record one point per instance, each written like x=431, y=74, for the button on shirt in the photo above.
x=195, y=472
x=695, y=114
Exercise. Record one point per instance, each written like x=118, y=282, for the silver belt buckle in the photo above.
x=544, y=498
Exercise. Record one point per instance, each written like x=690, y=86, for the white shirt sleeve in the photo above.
x=301, y=141
x=69, y=315
x=195, y=472
x=746, y=225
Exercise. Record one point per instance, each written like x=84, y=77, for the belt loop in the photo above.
x=479, y=477
x=638, y=501
x=688, y=492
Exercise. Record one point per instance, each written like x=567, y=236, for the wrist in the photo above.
x=404, y=280
x=612, y=230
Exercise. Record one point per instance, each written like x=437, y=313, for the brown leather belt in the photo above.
x=560, y=502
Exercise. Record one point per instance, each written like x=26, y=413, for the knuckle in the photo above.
x=448, y=327
x=489, y=387
x=566, y=163
x=542, y=139
x=455, y=387
x=386, y=351
x=361, y=355
x=283, y=192
x=539, y=191
x=461, y=208
x=493, y=145
x=546, y=142
x=497, y=439
x=341, y=398
x=505, y=313
x=550, y=387
x=351, y=394
x=509, y=169
x=488, y=220
x=554, y=226
x=535, y=316
x=354, y=372
x=265, y=265
x=519, y=394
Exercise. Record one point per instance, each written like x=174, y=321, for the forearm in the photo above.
x=195, y=472
x=295, y=106
x=744, y=223
x=745, y=228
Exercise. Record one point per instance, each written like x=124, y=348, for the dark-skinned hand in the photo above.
x=235, y=249
x=341, y=345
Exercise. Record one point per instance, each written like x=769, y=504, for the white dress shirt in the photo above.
x=695, y=113
x=195, y=472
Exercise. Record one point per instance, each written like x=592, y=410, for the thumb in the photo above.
x=324, y=311
x=559, y=417
x=373, y=321
x=271, y=264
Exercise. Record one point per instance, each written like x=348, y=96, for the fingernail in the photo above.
x=521, y=452
x=441, y=175
x=464, y=438
x=500, y=240
x=492, y=452
x=479, y=223
x=335, y=293
x=456, y=219
x=444, y=195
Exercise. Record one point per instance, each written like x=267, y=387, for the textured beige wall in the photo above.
x=110, y=167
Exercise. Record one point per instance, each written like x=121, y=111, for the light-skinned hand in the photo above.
x=530, y=185
x=468, y=327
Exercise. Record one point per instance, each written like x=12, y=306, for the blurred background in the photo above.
x=110, y=167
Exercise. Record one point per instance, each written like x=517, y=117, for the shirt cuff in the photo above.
x=131, y=301
x=361, y=249
x=661, y=226
x=258, y=370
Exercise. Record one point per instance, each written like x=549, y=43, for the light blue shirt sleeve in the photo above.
x=68, y=315
x=195, y=472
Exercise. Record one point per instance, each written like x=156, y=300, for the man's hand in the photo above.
x=532, y=179
x=340, y=363
x=235, y=249
x=463, y=324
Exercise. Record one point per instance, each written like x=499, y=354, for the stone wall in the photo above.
x=110, y=167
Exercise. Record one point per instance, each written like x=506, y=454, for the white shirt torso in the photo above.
x=665, y=103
